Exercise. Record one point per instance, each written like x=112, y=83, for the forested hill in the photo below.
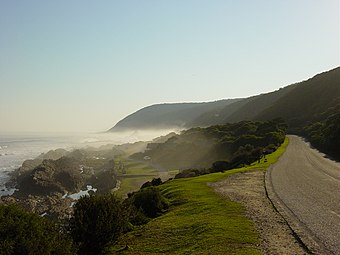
x=302, y=103
x=165, y=116
x=298, y=104
x=245, y=109
x=310, y=108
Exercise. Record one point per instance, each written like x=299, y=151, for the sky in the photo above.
x=81, y=66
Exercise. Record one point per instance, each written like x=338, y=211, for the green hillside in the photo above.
x=298, y=104
x=199, y=221
x=255, y=105
x=307, y=102
x=309, y=108
x=233, y=143
x=245, y=109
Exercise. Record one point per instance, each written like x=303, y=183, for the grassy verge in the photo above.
x=271, y=158
x=137, y=173
x=199, y=222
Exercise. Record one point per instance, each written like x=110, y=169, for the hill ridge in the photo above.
x=297, y=103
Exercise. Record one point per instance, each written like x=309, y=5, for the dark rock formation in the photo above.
x=51, y=176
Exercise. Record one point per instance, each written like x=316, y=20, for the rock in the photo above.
x=51, y=176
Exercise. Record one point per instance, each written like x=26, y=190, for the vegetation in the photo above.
x=237, y=143
x=97, y=220
x=150, y=201
x=22, y=232
x=304, y=106
x=308, y=102
x=134, y=175
x=198, y=221
x=298, y=104
x=325, y=134
x=154, y=182
x=184, y=215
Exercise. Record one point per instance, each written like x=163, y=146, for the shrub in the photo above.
x=22, y=232
x=154, y=182
x=220, y=166
x=97, y=220
x=150, y=201
x=188, y=173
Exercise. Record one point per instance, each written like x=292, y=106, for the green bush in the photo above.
x=154, y=182
x=150, y=201
x=220, y=166
x=187, y=173
x=97, y=220
x=22, y=232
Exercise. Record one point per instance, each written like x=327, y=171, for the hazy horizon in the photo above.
x=81, y=66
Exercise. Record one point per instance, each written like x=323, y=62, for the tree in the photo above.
x=97, y=220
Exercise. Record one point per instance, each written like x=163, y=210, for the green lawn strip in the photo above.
x=130, y=184
x=136, y=173
x=199, y=220
x=136, y=168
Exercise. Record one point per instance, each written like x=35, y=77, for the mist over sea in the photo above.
x=15, y=148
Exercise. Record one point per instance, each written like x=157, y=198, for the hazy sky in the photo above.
x=83, y=65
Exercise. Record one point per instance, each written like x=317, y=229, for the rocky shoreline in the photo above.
x=45, y=184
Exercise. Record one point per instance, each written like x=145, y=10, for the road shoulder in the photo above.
x=248, y=189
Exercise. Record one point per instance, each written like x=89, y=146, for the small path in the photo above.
x=248, y=189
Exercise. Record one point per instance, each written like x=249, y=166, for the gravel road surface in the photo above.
x=305, y=188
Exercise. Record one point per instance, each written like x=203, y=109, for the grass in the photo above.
x=199, y=220
x=137, y=173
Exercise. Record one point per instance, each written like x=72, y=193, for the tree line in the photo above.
x=236, y=143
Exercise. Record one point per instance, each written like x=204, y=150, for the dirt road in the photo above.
x=305, y=188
